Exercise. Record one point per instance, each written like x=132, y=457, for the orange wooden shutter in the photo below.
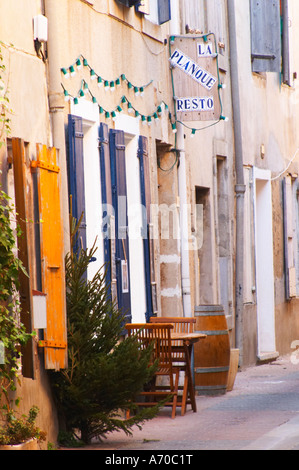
x=22, y=209
x=52, y=256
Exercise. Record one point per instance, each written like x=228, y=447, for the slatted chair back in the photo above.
x=180, y=325
x=158, y=335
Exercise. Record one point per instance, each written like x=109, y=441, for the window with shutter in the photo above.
x=128, y=3
x=23, y=216
x=76, y=175
x=146, y=202
x=104, y=156
x=119, y=202
x=52, y=256
x=193, y=15
x=286, y=73
x=290, y=206
x=164, y=12
x=265, y=35
x=157, y=11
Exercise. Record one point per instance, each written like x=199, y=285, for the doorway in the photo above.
x=264, y=265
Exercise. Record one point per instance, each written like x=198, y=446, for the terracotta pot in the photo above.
x=233, y=368
x=28, y=445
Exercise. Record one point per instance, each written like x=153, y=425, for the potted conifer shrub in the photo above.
x=106, y=370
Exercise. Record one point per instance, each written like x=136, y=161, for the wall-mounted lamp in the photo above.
x=40, y=34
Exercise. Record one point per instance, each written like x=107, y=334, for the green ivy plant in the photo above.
x=4, y=103
x=13, y=429
x=12, y=331
x=19, y=429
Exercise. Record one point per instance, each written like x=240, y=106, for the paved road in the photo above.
x=261, y=413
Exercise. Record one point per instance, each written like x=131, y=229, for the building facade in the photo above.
x=191, y=197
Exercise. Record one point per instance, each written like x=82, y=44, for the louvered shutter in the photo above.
x=146, y=202
x=289, y=238
x=164, y=11
x=106, y=194
x=265, y=35
x=286, y=72
x=119, y=202
x=76, y=175
x=23, y=217
x=52, y=256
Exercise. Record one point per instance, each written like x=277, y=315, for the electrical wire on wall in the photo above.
x=287, y=167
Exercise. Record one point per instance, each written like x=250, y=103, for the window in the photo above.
x=128, y=3
x=156, y=11
x=193, y=16
x=270, y=37
x=265, y=36
x=37, y=190
x=284, y=12
x=116, y=175
x=291, y=224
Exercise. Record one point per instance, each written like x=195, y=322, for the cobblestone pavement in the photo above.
x=260, y=413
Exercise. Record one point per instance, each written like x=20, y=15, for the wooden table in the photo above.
x=188, y=339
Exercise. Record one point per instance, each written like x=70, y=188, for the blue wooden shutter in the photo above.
x=106, y=192
x=265, y=35
x=119, y=202
x=76, y=174
x=146, y=202
x=164, y=11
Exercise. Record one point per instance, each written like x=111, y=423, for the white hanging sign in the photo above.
x=195, y=78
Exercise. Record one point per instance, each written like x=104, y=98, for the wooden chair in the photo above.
x=180, y=325
x=160, y=336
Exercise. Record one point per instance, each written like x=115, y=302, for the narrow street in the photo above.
x=260, y=413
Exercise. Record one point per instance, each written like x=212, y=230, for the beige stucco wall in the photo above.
x=26, y=81
x=269, y=113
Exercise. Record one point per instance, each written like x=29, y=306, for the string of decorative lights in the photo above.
x=81, y=62
x=112, y=114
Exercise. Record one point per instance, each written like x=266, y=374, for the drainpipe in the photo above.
x=57, y=105
x=184, y=225
x=240, y=187
x=182, y=184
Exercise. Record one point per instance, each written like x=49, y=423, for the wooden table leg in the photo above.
x=188, y=349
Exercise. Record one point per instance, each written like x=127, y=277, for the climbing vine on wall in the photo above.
x=4, y=103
